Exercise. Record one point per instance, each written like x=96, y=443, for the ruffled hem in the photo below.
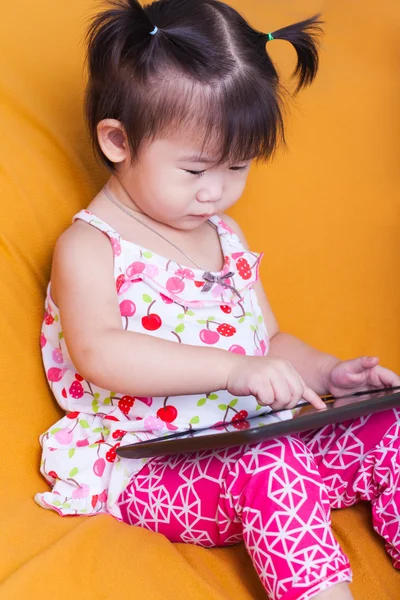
x=80, y=463
x=67, y=507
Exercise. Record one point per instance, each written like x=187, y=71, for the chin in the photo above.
x=186, y=223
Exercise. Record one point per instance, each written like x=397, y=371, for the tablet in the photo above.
x=268, y=425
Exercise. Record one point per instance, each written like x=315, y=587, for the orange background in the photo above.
x=325, y=213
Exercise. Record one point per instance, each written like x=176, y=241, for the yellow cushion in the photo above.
x=325, y=214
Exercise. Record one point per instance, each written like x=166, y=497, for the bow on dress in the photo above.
x=212, y=279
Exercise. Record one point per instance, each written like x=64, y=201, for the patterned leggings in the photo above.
x=276, y=496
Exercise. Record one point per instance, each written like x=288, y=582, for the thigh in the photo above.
x=179, y=496
x=341, y=449
x=196, y=497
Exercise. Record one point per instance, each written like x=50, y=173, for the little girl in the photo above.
x=156, y=320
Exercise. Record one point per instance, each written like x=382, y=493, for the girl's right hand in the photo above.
x=273, y=381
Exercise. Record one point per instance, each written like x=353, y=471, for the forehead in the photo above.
x=184, y=146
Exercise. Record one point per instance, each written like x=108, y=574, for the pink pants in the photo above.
x=276, y=496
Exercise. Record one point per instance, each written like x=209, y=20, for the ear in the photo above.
x=112, y=140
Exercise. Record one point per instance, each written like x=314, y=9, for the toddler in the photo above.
x=156, y=320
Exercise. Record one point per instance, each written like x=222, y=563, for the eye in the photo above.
x=198, y=173
x=239, y=168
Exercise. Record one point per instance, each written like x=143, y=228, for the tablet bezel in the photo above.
x=349, y=407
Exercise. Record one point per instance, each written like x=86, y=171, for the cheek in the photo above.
x=233, y=192
x=235, y=189
x=169, y=195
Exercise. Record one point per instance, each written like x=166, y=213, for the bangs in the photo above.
x=237, y=119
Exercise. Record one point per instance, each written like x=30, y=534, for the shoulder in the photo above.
x=80, y=240
x=81, y=253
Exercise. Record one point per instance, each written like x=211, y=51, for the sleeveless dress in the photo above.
x=161, y=298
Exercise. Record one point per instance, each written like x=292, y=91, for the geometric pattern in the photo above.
x=360, y=460
x=276, y=496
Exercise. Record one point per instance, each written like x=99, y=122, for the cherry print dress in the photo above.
x=164, y=299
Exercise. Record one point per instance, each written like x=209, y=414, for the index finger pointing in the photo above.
x=313, y=399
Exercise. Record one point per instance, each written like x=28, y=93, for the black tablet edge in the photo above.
x=325, y=398
x=167, y=447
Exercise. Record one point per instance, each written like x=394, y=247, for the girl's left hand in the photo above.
x=358, y=375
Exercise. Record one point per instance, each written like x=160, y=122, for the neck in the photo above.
x=119, y=192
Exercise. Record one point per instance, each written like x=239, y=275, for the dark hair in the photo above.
x=205, y=67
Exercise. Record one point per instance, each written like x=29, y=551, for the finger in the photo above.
x=385, y=377
x=299, y=387
x=313, y=399
x=266, y=396
x=369, y=360
x=359, y=365
x=358, y=378
x=309, y=395
x=296, y=386
x=295, y=383
x=374, y=379
x=295, y=403
x=282, y=392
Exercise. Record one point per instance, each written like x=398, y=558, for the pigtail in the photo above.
x=147, y=37
x=180, y=39
x=304, y=38
x=117, y=34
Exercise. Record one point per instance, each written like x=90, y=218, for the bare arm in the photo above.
x=312, y=365
x=83, y=287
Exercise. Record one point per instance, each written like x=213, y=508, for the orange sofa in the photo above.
x=325, y=213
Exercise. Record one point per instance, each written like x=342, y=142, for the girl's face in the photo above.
x=174, y=183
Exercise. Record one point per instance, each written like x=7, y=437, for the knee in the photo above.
x=289, y=450
x=263, y=465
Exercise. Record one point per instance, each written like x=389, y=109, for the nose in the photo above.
x=212, y=191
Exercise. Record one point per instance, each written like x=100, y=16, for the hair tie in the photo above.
x=154, y=30
x=270, y=37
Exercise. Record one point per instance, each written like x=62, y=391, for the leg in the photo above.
x=276, y=490
x=270, y=495
x=337, y=592
x=360, y=460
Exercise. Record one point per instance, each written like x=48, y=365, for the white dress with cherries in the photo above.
x=161, y=298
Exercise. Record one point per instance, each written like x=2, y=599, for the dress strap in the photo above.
x=110, y=232
x=228, y=237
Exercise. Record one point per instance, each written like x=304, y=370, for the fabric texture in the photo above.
x=276, y=496
x=167, y=300
x=325, y=214
x=268, y=494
